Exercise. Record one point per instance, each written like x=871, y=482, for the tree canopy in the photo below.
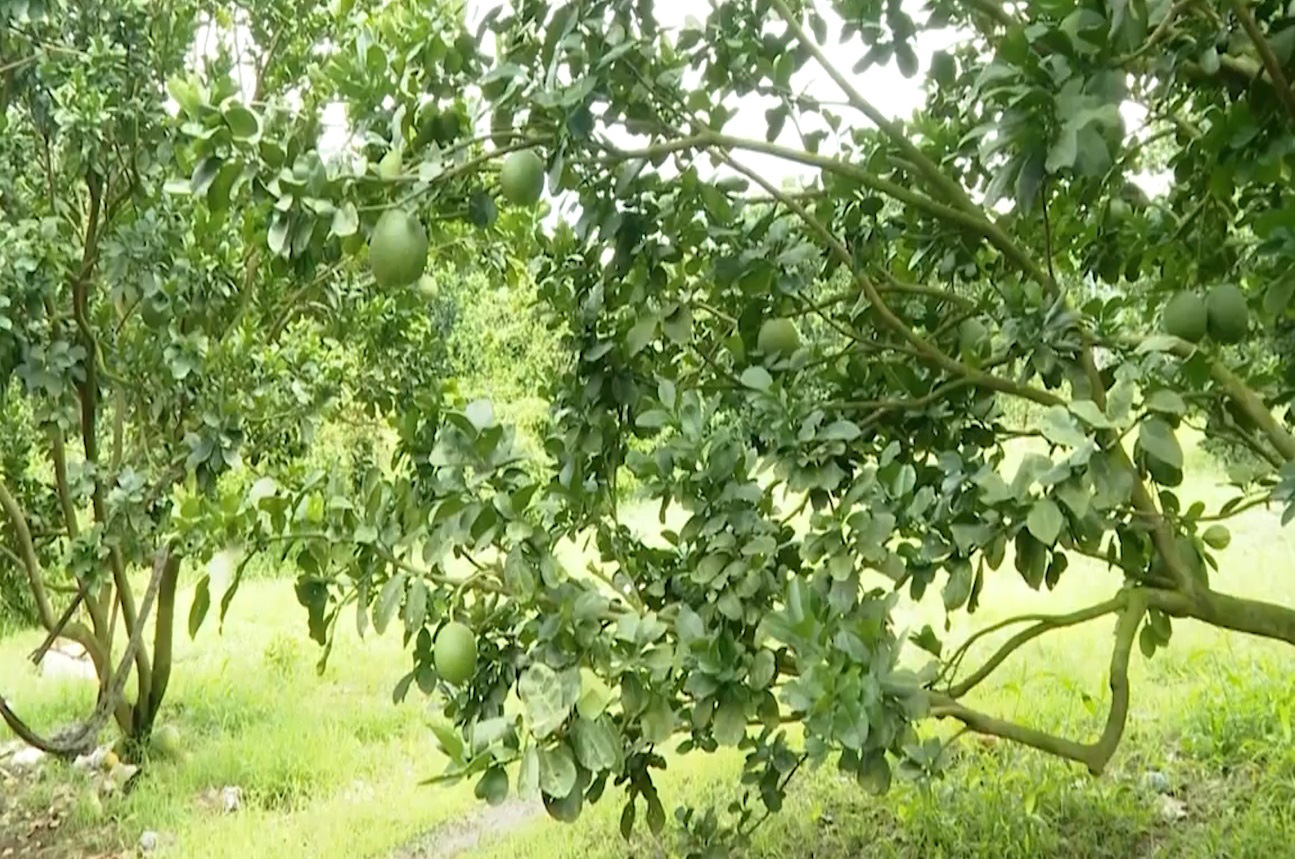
x=820, y=377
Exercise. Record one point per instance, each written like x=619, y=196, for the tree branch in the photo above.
x=1254, y=617
x=1094, y=755
x=937, y=179
x=28, y=553
x=888, y=316
x=1270, y=61
x=82, y=739
x=1044, y=623
x=163, y=641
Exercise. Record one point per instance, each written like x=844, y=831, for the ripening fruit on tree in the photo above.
x=397, y=249
x=1185, y=316
x=1228, y=316
x=455, y=654
x=521, y=178
x=1217, y=536
x=778, y=338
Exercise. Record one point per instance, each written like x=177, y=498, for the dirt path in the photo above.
x=457, y=838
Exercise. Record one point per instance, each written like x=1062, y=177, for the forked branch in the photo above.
x=1094, y=755
x=1043, y=623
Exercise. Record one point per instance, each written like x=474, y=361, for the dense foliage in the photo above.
x=821, y=377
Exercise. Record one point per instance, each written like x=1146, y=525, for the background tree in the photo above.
x=157, y=352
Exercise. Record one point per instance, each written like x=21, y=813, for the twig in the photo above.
x=1045, y=623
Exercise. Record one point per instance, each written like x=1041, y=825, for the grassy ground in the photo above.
x=329, y=766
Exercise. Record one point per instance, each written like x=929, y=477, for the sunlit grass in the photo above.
x=329, y=766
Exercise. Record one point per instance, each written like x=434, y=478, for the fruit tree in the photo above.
x=811, y=346
x=169, y=332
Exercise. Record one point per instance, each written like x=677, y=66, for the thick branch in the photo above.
x=1270, y=61
x=1240, y=393
x=1254, y=617
x=58, y=454
x=1095, y=755
x=83, y=738
x=30, y=562
x=163, y=640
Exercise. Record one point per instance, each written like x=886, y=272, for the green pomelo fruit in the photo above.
x=455, y=654
x=166, y=740
x=397, y=249
x=1217, y=536
x=778, y=338
x=1185, y=316
x=521, y=179
x=1228, y=316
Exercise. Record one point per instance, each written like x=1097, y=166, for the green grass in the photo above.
x=330, y=767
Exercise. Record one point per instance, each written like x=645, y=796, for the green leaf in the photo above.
x=243, y=123
x=557, y=770
x=204, y=174
x=764, y=668
x=874, y=773
x=958, y=588
x=689, y=625
x=416, y=606
x=1278, y=298
x=1064, y=150
x=653, y=419
x=1088, y=412
x=678, y=326
x=628, y=813
x=1059, y=427
x=492, y=786
x=595, y=695
x=658, y=721
x=757, y=378
x=597, y=744
x=313, y=594
x=1045, y=521
x=928, y=641
x=187, y=94
x=201, y=604
x=277, y=238
x=519, y=578
x=482, y=211
x=729, y=725
x=840, y=431
x=541, y=692
x=1158, y=440
x=1166, y=401
x=346, y=220
x=388, y=601
x=640, y=335
x=1072, y=494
